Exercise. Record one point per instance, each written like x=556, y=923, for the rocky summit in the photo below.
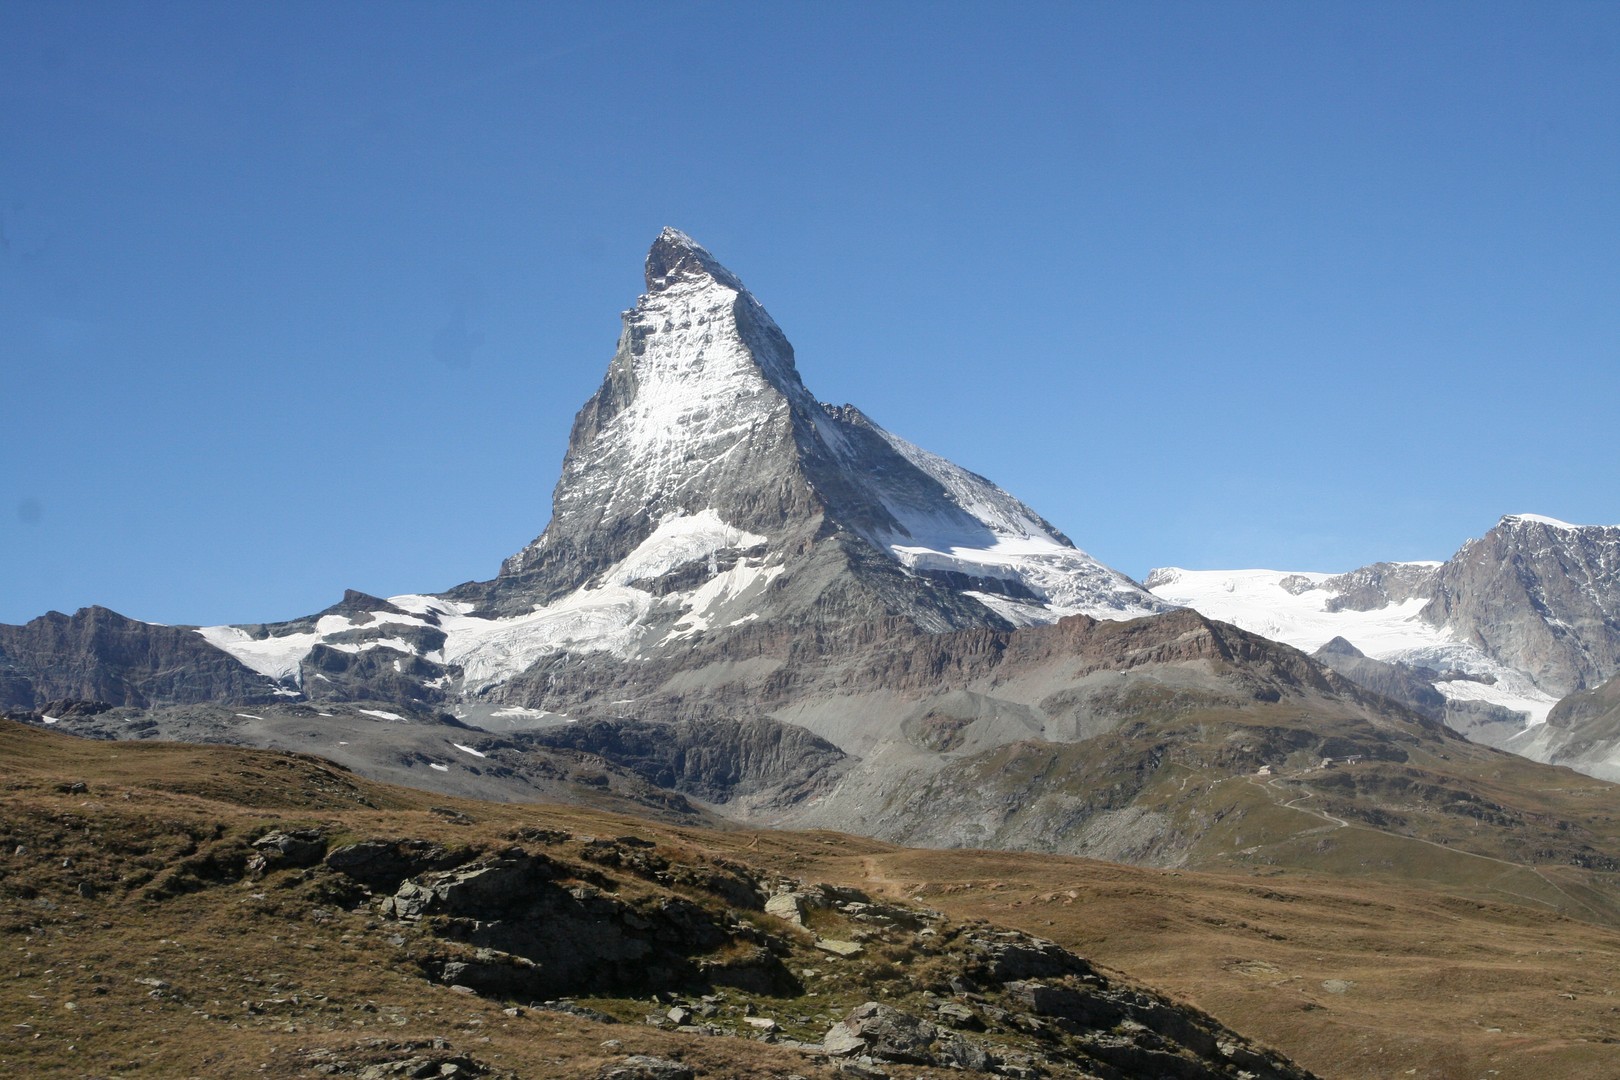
x=1540, y=595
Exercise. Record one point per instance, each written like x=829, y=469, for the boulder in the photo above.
x=787, y=905
x=1011, y=955
x=295, y=847
x=838, y=948
x=383, y=864
x=646, y=1067
x=891, y=1034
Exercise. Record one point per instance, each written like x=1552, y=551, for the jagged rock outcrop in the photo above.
x=555, y=917
x=1539, y=595
x=717, y=760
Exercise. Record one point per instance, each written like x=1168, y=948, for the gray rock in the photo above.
x=959, y=1016
x=1013, y=955
x=838, y=948
x=840, y=1041
x=861, y=1070
x=646, y=1067
x=953, y=1050
x=891, y=1034
x=789, y=906
x=296, y=847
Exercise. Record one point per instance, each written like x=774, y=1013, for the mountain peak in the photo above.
x=676, y=257
x=703, y=434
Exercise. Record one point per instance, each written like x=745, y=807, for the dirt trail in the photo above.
x=874, y=876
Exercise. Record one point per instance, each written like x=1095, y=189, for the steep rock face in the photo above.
x=1539, y=595
x=699, y=411
x=99, y=655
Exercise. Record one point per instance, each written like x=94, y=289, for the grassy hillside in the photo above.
x=145, y=941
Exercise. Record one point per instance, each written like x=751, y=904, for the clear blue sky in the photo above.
x=299, y=297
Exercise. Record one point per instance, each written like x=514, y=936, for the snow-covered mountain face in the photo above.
x=705, y=489
x=1516, y=619
x=703, y=413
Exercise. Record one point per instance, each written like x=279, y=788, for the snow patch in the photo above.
x=468, y=750
x=382, y=714
x=717, y=592
x=613, y=617
x=276, y=657
x=678, y=541
x=353, y=647
x=982, y=532
x=490, y=651
x=1538, y=519
x=429, y=605
x=1017, y=612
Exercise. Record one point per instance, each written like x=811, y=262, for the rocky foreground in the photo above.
x=259, y=916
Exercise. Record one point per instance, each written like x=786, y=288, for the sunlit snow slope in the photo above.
x=1296, y=608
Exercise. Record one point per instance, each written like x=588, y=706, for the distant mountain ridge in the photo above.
x=1513, y=622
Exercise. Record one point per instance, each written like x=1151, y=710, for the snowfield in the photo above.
x=1257, y=601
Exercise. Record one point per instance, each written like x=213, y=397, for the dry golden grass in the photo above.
x=1351, y=979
